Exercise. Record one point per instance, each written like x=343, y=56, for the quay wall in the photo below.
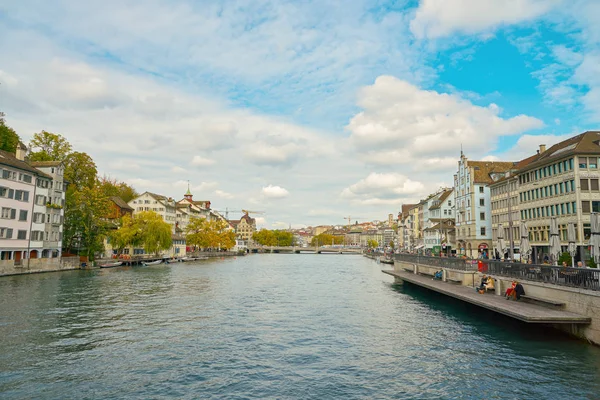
x=580, y=301
x=37, y=265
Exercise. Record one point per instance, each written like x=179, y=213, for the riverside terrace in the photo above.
x=572, y=294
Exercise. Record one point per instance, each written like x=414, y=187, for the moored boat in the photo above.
x=110, y=264
x=145, y=264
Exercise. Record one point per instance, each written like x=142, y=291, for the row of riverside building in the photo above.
x=32, y=201
x=560, y=182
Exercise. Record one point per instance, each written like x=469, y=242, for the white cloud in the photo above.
x=383, y=188
x=224, y=195
x=528, y=145
x=178, y=170
x=274, y=192
x=439, y=18
x=200, y=161
x=402, y=124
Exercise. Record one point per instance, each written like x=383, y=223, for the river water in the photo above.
x=270, y=326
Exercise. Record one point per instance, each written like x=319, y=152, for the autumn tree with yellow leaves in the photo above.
x=204, y=234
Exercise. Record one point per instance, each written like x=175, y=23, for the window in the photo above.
x=22, y=235
x=594, y=184
x=8, y=213
x=482, y=216
x=593, y=162
x=482, y=202
x=582, y=162
x=26, y=178
x=6, y=233
x=584, y=184
x=449, y=203
x=482, y=231
x=38, y=218
x=585, y=207
x=23, y=215
x=596, y=206
x=480, y=189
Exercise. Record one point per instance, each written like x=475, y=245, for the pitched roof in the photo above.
x=9, y=159
x=406, y=207
x=584, y=143
x=482, y=170
x=45, y=163
x=442, y=198
x=120, y=203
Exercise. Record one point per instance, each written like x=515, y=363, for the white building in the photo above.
x=472, y=201
x=31, y=212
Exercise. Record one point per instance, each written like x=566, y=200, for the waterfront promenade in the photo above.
x=565, y=298
x=520, y=310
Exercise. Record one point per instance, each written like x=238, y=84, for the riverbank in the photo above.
x=38, y=265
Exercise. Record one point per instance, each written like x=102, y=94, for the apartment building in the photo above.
x=561, y=182
x=31, y=211
x=473, y=204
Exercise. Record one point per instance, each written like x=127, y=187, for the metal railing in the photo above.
x=442, y=262
x=584, y=278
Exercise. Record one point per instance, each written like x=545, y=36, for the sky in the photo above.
x=310, y=112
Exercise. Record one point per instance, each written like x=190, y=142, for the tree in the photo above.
x=80, y=170
x=155, y=234
x=372, y=244
x=8, y=137
x=111, y=187
x=128, y=234
x=85, y=226
x=49, y=147
x=203, y=234
x=326, y=239
x=267, y=237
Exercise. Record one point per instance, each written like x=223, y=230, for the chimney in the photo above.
x=21, y=151
x=542, y=148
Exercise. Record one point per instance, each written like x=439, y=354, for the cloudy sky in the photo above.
x=310, y=111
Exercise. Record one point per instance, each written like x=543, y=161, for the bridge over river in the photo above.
x=299, y=250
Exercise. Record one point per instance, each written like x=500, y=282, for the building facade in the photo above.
x=472, y=201
x=563, y=183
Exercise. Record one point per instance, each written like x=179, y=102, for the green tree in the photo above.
x=204, y=234
x=128, y=234
x=112, y=187
x=8, y=137
x=80, y=170
x=276, y=237
x=85, y=227
x=46, y=146
x=325, y=239
x=372, y=244
x=155, y=234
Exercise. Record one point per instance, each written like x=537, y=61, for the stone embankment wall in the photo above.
x=579, y=301
x=35, y=265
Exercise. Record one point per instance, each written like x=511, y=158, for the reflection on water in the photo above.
x=270, y=326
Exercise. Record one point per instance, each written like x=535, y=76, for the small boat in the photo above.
x=386, y=260
x=172, y=261
x=145, y=264
x=110, y=264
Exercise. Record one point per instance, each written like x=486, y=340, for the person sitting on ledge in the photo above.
x=484, y=282
x=510, y=290
x=517, y=292
x=438, y=275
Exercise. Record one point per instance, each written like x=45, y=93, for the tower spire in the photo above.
x=188, y=194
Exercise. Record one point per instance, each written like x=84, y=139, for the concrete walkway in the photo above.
x=520, y=310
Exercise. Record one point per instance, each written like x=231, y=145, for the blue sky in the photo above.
x=310, y=111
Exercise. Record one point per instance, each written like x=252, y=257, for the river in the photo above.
x=270, y=326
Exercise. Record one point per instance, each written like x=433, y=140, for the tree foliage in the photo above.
x=206, y=234
x=372, y=244
x=325, y=239
x=112, y=187
x=146, y=229
x=8, y=137
x=85, y=227
x=276, y=237
x=47, y=146
x=80, y=170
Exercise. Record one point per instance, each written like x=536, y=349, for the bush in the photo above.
x=566, y=257
x=592, y=264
